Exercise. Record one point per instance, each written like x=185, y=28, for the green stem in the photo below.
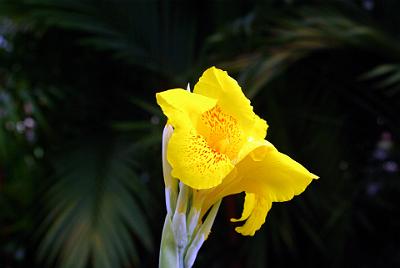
x=200, y=236
x=182, y=234
x=169, y=257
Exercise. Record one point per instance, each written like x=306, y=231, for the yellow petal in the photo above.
x=250, y=149
x=268, y=174
x=183, y=108
x=217, y=84
x=276, y=176
x=257, y=217
x=192, y=159
x=272, y=177
x=194, y=162
x=249, y=203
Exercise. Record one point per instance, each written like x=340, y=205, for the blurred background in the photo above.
x=80, y=132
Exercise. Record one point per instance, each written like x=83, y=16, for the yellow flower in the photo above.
x=218, y=148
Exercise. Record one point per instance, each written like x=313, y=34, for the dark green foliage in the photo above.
x=86, y=189
x=93, y=213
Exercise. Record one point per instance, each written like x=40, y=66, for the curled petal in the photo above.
x=249, y=203
x=261, y=206
x=267, y=175
x=275, y=176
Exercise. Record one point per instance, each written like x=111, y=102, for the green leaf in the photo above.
x=93, y=210
x=379, y=71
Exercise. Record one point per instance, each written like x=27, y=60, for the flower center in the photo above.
x=221, y=132
x=221, y=146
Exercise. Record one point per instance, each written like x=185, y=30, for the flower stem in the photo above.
x=168, y=250
x=183, y=235
x=200, y=236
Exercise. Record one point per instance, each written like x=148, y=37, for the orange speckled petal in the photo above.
x=217, y=84
x=194, y=162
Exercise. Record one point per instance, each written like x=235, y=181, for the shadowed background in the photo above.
x=80, y=132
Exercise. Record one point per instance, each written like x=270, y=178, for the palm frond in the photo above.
x=292, y=39
x=385, y=77
x=94, y=215
x=117, y=26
